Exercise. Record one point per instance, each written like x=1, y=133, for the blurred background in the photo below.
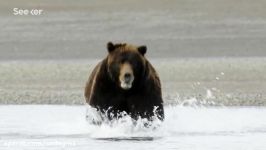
x=210, y=50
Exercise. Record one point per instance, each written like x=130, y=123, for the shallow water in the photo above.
x=55, y=127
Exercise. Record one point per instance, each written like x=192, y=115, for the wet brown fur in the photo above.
x=105, y=95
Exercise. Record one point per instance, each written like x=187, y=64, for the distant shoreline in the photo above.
x=215, y=82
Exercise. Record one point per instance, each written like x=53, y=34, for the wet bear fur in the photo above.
x=125, y=81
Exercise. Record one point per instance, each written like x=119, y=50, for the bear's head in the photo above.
x=126, y=64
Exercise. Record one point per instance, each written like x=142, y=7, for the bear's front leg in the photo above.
x=141, y=107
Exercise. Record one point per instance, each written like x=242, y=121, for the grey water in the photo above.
x=185, y=127
x=176, y=29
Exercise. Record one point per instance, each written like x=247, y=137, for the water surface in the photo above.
x=186, y=128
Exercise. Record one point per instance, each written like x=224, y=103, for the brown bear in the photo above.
x=125, y=81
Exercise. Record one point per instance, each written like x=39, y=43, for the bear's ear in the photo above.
x=110, y=47
x=142, y=49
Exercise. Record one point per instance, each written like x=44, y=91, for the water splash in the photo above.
x=186, y=120
x=123, y=126
x=69, y=121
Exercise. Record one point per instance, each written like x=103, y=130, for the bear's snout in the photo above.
x=126, y=76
